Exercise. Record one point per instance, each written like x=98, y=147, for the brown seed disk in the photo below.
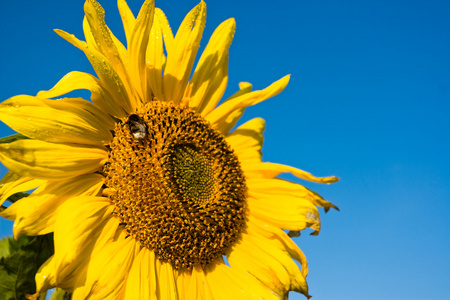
x=179, y=190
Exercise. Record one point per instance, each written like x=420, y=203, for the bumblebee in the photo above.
x=137, y=126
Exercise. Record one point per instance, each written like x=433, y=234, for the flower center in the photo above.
x=176, y=185
x=194, y=175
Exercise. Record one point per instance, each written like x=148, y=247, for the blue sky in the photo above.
x=368, y=101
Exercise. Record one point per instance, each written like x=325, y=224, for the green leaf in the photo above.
x=19, y=262
x=12, y=138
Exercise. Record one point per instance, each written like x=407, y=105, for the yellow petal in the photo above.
x=128, y=19
x=44, y=160
x=66, y=269
x=81, y=106
x=186, y=285
x=246, y=257
x=109, y=77
x=57, y=121
x=120, y=59
x=228, y=283
x=101, y=35
x=210, y=77
x=271, y=170
x=106, y=276
x=79, y=80
x=79, y=222
x=275, y=187
x=202, y=286
x=247, y=141
x=244, y=88
x=278, y=238
x=36, y=213
x=121, y=50
x=192, y=284
x=102, y=38
x=165, y=29
x=137, y=49
x=90, y=40
x=181, y=56
x=269, y=264
x=155, y=58
x=13, y=183
x=230, y=121
x=284, y=212
x=108, y=233
x=220, y=114
x=45, y=277
x=141, y=281
x=269, y=197
x=166, y=280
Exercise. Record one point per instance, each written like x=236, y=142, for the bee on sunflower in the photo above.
x=148, y=189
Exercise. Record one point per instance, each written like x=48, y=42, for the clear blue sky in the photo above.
x=368, y=101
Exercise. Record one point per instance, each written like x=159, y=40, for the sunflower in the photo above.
x=149, y=191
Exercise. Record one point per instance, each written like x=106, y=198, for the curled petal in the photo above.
x=272, y=170
x=99, y=95
x=220, y=114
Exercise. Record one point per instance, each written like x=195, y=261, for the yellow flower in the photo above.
x=148, y=190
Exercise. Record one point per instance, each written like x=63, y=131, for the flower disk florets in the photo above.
x=176, y=185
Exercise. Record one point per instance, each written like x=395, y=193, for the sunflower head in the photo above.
x=148, y=187
x=181, y=192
